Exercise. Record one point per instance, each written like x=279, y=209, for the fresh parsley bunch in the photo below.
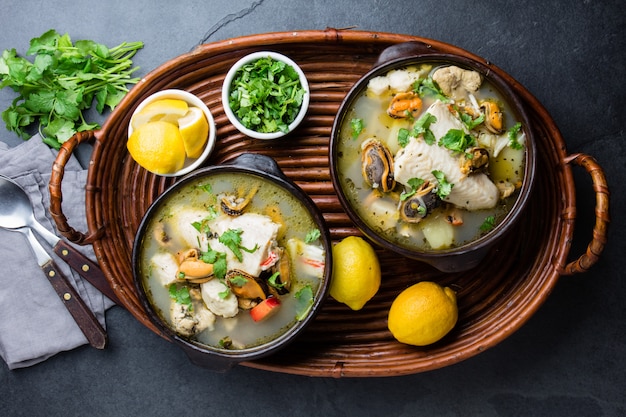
x=62, y=81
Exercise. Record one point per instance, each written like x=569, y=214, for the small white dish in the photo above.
x=192, y=100
x=226, y=92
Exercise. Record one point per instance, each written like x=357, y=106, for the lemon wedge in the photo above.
x=165, y=110
x=194, y=130
x=158, y=147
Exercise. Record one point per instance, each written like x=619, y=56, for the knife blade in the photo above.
x=77, y=261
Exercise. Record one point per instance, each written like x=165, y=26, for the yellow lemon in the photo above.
x=194, y=129
x=166, y=110
x=356, y=272
x=158, y=147
x=423, y=313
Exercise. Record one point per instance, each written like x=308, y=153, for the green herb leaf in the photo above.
x=421, y=127
x=238, y=280
x=62, y=82
x=415, y=184
x=403, y=137
x=218, y=259
x=469, y=122
x=312, y=235
x=488, y=224
x=357, y=127
x=428, y=87
x=444, y=188
x=272, y=281
x=457, y=140
x=180, y=294
x=266, y=95
x=232, y=240
x=512, y=134
x=304, y=302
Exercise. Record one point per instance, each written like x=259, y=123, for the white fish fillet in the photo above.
x=225, y=307
x=418, y=160
x=258, y=230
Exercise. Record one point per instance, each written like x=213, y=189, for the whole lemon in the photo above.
x=423, y=313
x=158, y=147
x=356, y=272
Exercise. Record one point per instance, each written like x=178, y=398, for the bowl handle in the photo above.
x=404, y=50
x=598, y=241
x=56, y=195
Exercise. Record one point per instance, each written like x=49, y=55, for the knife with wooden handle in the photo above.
x=77, y=261
x=83, y=316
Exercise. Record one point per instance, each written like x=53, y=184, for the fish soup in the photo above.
x=232, y=261
x=430, y=156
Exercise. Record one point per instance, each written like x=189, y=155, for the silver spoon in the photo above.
x=16, y=214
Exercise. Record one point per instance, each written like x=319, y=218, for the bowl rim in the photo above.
x=482, y=244
x=226, y=91
x=198, y=349
x=191, y=99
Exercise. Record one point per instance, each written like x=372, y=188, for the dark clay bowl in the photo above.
x=462, y=257
x=202, y=354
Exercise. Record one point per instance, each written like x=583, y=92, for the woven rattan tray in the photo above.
x=495, y=299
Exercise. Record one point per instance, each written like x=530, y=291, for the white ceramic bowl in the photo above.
x=192, y=100
x=226, y=92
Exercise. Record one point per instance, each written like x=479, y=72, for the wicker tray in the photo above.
x=495, y=299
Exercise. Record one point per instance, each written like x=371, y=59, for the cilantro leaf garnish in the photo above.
x=415, y=184
x=180, y=294
x=469, y=122
x=218, y=259
x=238, y=280
x=457, y=140
x=266, y=95
x=62, y=82
x=444, y=188
x=357, y=127
x=488, y=224
x=512, y=134
x=312, y=235
x=273, y=281
x=232, y=240
x=428, y=87
x=403, y=137
x=421, y=127
x=304, y=302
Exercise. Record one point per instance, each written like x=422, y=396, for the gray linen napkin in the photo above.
x=34, y=323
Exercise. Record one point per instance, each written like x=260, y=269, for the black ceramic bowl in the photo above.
x=201, y=353
x=465, y=256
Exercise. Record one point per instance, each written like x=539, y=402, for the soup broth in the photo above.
x=182, y=223
x=448, y=225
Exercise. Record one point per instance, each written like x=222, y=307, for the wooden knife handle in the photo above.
x=86, y=268
x=83, y=316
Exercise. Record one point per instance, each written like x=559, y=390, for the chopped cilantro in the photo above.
x=312, y=235
x=357, y=127
x=421, y=127
x=469, y=122
x=444, y=188
x=206, y=187
x=266, y=95
x=180, y=294
x=403, y=137
x=428, y=87
x=272, y=281
x=456, y=140
x=488, y=224
x=304, y=302
x=512, y=134
x=415, y=184
x=218, y=259
x=232, y=240
x=238, y=280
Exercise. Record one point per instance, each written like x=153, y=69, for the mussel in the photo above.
x=234, y=205
x=420, y=204
x=476, y=160
x=192, y=268
x=377, y=165
x=405, y=104
x=494, y=118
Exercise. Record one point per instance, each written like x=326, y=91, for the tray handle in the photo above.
x=598, y=241
x=56, y=195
